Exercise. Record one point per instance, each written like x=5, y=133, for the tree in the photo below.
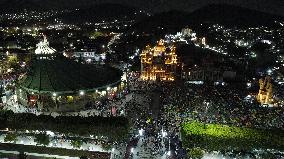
x=96, y=34
x=28, y=59
x=11, y=137
x=77, y=143
x=195, y=153
x=4, y=66
x=13, y=61
x=42, y=139
x=106, y=146
x=114, y=128
x=268, y=155
x=22, y=155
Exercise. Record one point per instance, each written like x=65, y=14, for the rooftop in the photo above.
x=62, y=76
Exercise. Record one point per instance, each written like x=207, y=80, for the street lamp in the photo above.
x=82, y=93
x=112, y=153
x=141, y=132
x=164, y=133
x=169, y=153
x=132, y=150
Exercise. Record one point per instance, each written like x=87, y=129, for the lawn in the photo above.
x=223, y=137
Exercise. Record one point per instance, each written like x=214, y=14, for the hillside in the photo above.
x=162, y=23
x=103, y=12
x=7, y=6
x=232, y=15
x=91, y=13
x=222, y=14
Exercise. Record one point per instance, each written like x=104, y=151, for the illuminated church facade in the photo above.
x=158, y=62
x=265, y=91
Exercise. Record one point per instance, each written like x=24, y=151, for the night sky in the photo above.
x=270, y=6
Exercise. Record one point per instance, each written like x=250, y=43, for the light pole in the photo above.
x=112, y=153
x=169, y=152
x=164, y=133
x=127, y=78
x=140, y=132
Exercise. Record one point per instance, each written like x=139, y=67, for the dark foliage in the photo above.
x=115, y=128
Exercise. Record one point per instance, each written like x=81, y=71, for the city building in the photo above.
x=201, y=74
x=265, y=91
x=88, y=56
x=205, y=72
x=44, y=48
x=56, y=83
x=158, y=62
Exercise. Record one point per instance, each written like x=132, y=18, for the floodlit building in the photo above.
x=265, y=91
x=55, y=83
x=158, y=62
x=44, y=48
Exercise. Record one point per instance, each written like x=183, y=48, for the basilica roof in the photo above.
x=61, y=75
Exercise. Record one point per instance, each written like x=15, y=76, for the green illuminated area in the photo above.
x=223, y=137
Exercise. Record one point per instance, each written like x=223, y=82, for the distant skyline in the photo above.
x=269, y=6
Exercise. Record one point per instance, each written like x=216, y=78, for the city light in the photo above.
x=132, y=150
x=82, y=93
x=50, y=133
x=141, y=132
x=164, y=134
x=269, y=71
x=126, y=85
x=248, y=84
x=169, y=153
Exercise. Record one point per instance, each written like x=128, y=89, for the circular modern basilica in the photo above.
x=55, y=83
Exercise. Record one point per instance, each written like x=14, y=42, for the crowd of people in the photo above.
x=158, y=135
x=221, y=104
x=158, y=109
